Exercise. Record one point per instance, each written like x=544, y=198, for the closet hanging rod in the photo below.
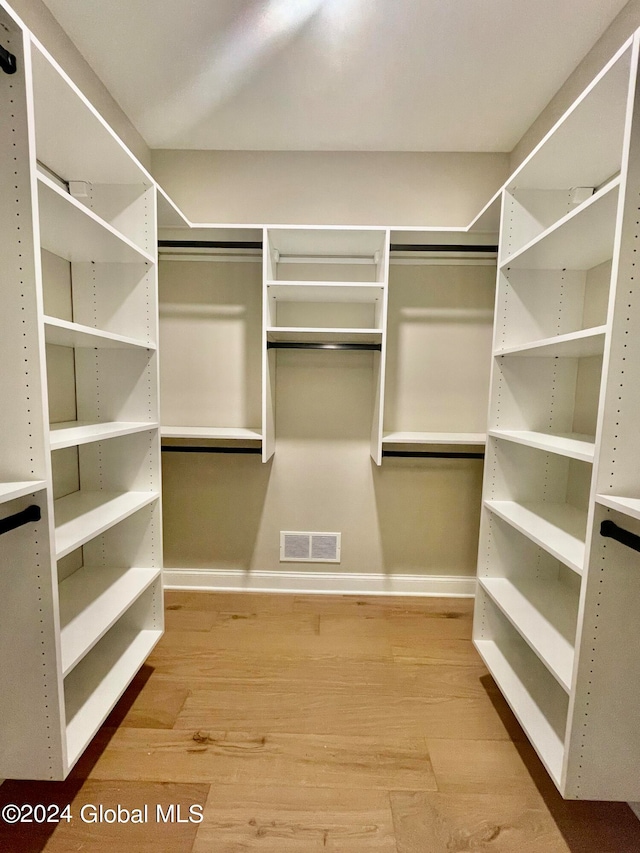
x=610, y=530
x=7, y=61
x=31, y=513
x=443, y=247
x=433, y=454
x=191, y=448
x=210, y=244
x=313, y=345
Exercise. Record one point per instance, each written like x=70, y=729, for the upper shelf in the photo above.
x=584, y=148
x=582, y=344
x=573, y=445
x=64, y=333
x=579, y=241
x=11, y=491
x=73, y=232
x=319, y=335
x=211, y=433
x=627, y=506
x=92, y=152
x=324, y=291
x=442, y=438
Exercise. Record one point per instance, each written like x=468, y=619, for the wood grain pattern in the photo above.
x=317, y=723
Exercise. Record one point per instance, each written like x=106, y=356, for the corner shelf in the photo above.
x=94, y=686
x=544, y=615
x=64, y=333
x=73, y=433
x=579, y=241
x=82, y=515
x=92, y=599
x=573, y=445
x=557, y=528
x=75, y=233
x=582, y=344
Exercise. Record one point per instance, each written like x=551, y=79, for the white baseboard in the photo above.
x=340, y=583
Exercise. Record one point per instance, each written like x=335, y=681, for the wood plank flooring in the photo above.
x=297, y=724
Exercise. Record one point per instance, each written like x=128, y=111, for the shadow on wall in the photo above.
x=428, y=515
x=213, y=505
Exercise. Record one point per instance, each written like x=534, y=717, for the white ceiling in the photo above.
x=373, y=75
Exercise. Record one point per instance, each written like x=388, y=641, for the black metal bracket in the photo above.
x=7, y=61
x=31, y=513
x=610, y=530
x=310, y=345
x=433, y=454
x=191, y=448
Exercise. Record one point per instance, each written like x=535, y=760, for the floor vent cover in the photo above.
x=304, y=547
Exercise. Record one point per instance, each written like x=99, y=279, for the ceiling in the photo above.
x=345, y=75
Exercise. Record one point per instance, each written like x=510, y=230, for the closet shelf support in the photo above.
x=7, y=61
x=433, y=454
x=312, y=345
x=18, y=519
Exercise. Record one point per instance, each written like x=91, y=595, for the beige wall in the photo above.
x=618, y=32
x=43, y=25
x=341, y=188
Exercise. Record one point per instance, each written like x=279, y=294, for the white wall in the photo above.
x=46, y=29
x=329, y=188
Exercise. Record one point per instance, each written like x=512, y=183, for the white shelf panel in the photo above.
x=71, y=138
x=226, y=433
x=579, y=241
x=338, y=336
x=324, y=291
x=72, y=433
x=523, y=704
x=627, y=506
x=581, y=344
x=434, y=438
x=11, y=491
x=558, y=528
x=63, y=333
x=544, y=616
x=75, y=233
x=81, y=516
x=91, y=601
x=96, y=684
x=573, y=445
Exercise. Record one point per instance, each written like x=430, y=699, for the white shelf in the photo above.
x=72, y=433
x=226, y=433
x=63, y=333
x=573, y=445
x=11, y=491
x=582, y=344
x=522, y=701
x=75, y=233
x=81, y=516
x=96, y=684
x=544, y=616
x=71, y=138
x=627, y=506
x=324, y=291
x=579, y=241
x=296, y=334
x=92, y=599
x=434, y=438
x=558, y=528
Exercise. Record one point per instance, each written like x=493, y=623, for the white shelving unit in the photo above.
x=82, y=602
x=553, y=620
x=328, y=287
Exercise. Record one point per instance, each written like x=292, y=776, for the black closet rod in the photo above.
x=31, y=513
x=442, y=247
x=7, y=61
x=433, y=454
x=610, y=530
x=311, y=345
x=190, y=448
x=209, y=244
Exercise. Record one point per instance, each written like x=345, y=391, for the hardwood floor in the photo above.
x=312, y=723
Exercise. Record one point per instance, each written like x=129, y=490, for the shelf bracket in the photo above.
x=18, y=519
x=7, y=61
x=610, y=530
x=433, y=454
